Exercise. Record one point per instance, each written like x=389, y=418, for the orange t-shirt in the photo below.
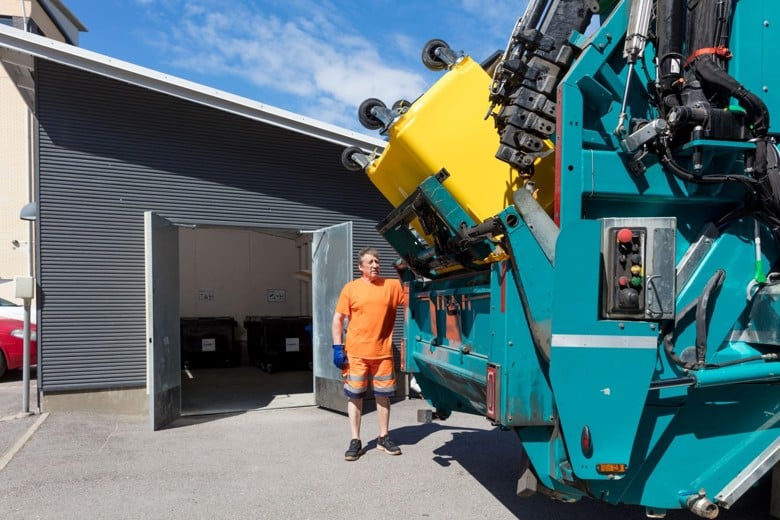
x=370, y=308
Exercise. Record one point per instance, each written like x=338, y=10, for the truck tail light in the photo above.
x=586, y=442
x=493, y=393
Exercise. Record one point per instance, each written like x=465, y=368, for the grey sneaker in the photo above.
x=387, y=445
x=354, y=451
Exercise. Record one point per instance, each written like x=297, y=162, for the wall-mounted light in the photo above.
x=29, y=211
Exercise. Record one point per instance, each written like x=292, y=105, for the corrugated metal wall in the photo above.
x=108, y=152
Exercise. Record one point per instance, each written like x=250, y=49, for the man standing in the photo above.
x=369, y=304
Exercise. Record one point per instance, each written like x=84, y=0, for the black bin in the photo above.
x=208, y=342
x=277, y=343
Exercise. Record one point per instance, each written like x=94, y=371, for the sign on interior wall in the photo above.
x=292, y=345
x=277, y=295
x=206, y=295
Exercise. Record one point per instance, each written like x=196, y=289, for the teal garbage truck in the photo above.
x=587, y=224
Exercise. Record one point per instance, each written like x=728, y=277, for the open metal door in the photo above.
x=331, y=264
x=162, y=319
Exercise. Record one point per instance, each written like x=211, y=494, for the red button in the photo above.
x=625, y=236
x=623, y=281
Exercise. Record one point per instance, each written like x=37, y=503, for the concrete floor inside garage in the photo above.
x=243, y=388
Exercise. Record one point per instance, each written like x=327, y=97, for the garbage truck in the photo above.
x=587, y=225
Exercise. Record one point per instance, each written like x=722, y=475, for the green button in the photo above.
x=636, y=281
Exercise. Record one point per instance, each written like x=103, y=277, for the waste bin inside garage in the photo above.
x=276, y=343
x=208, y=342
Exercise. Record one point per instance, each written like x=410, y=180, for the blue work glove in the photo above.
x=339, y=356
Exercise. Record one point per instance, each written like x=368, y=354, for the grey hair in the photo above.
x=367, y=251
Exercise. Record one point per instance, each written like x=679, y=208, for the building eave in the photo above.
x=18, y=48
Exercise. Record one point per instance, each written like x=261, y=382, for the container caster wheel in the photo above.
x=401, y=106
x=354, y=159
x=437, y=55
x=373, y=114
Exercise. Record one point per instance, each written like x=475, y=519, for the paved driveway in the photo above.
x=276, y=464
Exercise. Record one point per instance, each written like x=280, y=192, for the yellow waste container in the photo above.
x=446, y=128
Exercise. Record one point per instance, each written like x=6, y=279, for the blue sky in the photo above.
x=316, y=58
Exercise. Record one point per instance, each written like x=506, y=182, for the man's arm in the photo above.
x=337, y=328
x=402, y=300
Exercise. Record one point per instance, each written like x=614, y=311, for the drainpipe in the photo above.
x=24, y=15
x=30, y=232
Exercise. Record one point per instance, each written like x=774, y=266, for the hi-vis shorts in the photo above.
x=358, y=371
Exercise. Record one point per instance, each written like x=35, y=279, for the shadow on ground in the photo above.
x=194, y=420
x=493, y=458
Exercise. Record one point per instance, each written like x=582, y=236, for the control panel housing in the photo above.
x=638, y=268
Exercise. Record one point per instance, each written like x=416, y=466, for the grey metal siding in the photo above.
x=109, y=151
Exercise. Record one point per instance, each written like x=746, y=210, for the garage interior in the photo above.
x=245, y=309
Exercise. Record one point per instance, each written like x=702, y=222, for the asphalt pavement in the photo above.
x=282, y=463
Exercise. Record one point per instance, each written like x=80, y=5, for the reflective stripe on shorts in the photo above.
x=357, y=373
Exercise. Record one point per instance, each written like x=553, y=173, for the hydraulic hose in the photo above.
x=701, y=305
x=702, y=321
x=707, y=71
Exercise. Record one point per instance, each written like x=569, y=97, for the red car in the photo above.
x=11, y=344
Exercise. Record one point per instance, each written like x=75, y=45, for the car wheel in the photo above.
x=3, y=364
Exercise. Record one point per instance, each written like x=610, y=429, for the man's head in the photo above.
x=369, y=263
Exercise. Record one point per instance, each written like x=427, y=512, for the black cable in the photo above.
x=733, y=362
x=667, y=160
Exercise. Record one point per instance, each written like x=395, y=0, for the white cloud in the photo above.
x=496, y=12
x=406, y=45
x=320, y=59
x=313, y=55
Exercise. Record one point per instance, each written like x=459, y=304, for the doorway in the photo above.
x=247, y=316
x=245, y=306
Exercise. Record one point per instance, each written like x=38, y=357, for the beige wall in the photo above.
x=44, y=23
x=239, y=273
x=15, y=159
x=34, y=11
x=15, y=193
x=14, y=7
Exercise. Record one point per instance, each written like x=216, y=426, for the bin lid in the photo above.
x=209, y=319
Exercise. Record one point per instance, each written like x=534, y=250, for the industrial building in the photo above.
x=164, y=205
